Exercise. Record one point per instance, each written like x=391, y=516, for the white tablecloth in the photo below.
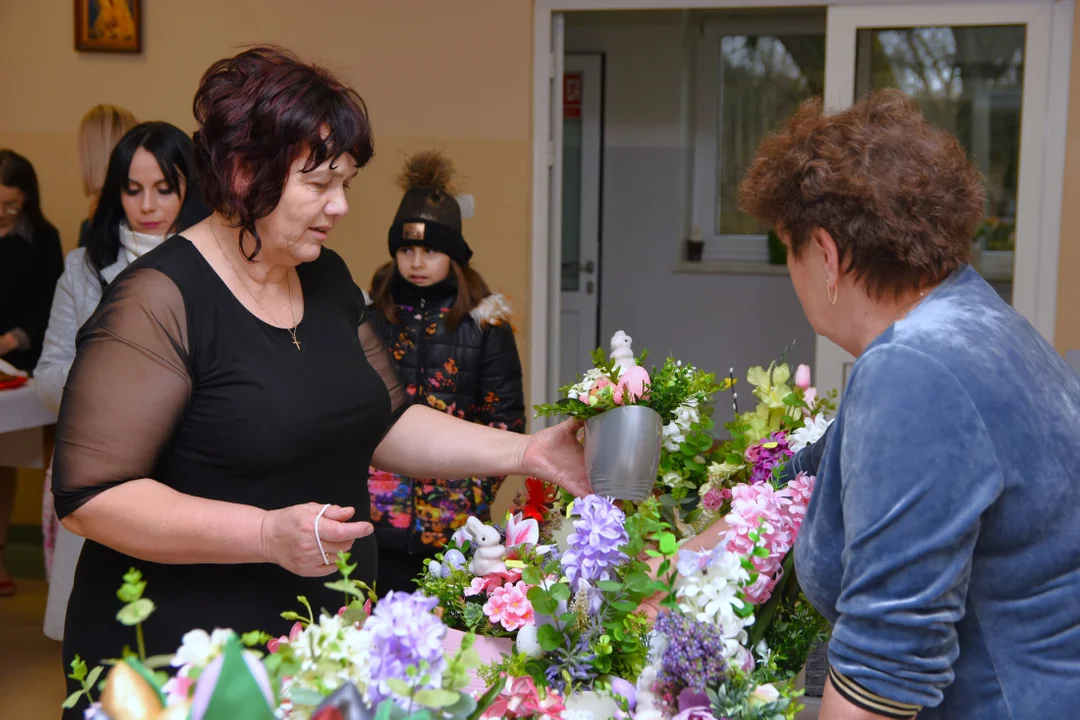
x=22, y=422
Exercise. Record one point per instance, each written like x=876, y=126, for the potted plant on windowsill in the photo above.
x=777, y=249
x=695, y=246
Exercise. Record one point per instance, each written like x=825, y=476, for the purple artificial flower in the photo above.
x=594, y=552
x=769, y=453
x=694, y=656
x=403, y=633
x=691, y=699
x=696, y=713
x=575, y=659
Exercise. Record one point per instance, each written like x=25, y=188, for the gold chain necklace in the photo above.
x=288, y=281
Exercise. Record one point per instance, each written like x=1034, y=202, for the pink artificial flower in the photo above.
x=714, y=498
x=178, y=688
x=294, y=633
x=752, y=453
x=488, y=583
x=764, y=509
x=508, y=606
x=777, y=516
x=801, y=488
x=802, y=377
x=697, y=713
x=523, y=701
x=521, y=532
x=477, y=586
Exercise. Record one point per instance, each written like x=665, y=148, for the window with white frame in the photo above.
x=751, y=75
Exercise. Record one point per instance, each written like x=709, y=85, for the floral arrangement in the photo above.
x=764, y=511
x=385, y=660
x=676, y=391
x=574, y=608
x=680, y=393
x=703, y=655
x=591, y=607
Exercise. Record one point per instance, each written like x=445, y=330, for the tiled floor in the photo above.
x=31, y=681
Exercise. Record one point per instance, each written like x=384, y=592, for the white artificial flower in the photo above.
x=582, y=388
x=809, y=433
x=711, y=596
x=765, y=694
x=197, y=648
x=671, y=479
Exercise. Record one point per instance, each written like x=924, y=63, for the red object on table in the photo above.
x=10, y=382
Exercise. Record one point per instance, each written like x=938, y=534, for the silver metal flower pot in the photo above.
x=622, y=452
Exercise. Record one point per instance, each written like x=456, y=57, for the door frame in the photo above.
x=592, y=64
x=543, y=321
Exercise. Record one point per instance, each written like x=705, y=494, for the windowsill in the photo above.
x=728, y=267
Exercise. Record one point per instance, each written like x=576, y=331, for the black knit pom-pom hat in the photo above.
x=429, y=216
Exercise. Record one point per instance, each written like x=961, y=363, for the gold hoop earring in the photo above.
x=831, y=291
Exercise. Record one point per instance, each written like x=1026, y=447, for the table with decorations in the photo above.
x=23, y=420
x=603, y=606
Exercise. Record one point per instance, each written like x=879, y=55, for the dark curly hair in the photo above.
x=900, y=197
x=257, y=112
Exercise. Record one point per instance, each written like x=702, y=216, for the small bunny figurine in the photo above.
x=489, y=552
x=633, y=379
x=622, y=351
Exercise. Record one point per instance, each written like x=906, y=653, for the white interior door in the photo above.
x=983, y=71
x=580, y=244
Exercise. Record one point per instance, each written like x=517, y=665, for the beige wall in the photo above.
x=1067, y=336
x=451, y=75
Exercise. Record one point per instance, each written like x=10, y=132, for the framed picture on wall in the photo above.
x=108, y=26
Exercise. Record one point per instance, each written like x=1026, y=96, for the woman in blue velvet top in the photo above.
x=943, y=537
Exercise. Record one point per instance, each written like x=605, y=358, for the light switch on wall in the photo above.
x=468, y=205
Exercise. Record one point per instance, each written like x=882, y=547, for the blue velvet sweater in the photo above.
x=943, y=536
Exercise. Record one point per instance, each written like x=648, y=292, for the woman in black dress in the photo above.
x=254, y=390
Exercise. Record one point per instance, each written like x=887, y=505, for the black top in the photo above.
x=174, y=379
x=29, y=269
x=472, y=372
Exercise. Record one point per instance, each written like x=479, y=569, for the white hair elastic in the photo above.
x=326, y=560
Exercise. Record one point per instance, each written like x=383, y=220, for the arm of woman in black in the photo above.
x=126, y=394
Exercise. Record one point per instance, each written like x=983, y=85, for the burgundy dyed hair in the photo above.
x=257, y=112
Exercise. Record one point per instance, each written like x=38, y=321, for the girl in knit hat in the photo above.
x=454, y=346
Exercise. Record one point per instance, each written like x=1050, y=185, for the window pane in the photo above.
x=763, y=79
x=969, y=81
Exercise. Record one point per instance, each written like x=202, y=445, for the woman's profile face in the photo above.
x=310, y=206
x=150, y=204
x=11, y=205
x=808, y=277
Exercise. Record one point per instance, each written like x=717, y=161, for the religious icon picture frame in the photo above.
x=113, y=26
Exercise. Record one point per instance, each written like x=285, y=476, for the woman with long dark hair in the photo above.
x=150, y=192
x=30, y=262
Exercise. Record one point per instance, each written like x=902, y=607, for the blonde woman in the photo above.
x=99, y=130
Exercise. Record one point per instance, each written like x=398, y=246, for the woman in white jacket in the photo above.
x=149, y=194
